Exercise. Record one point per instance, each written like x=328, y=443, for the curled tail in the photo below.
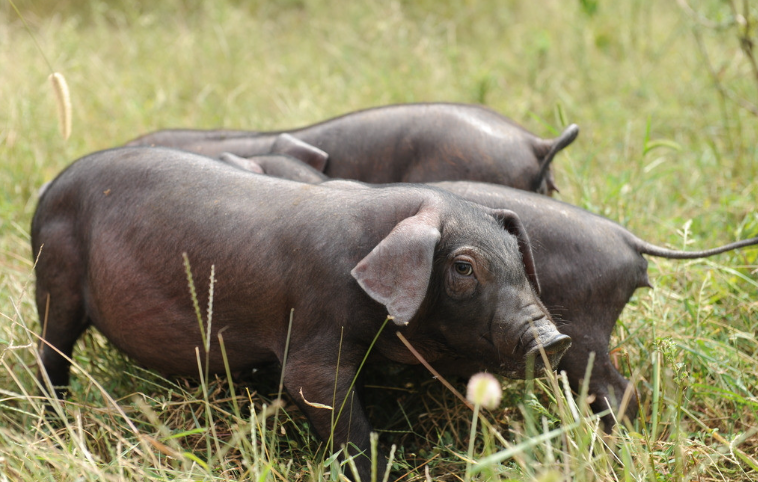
x=556, y=145
x=653, y=250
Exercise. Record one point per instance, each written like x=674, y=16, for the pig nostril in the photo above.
x=559, y=344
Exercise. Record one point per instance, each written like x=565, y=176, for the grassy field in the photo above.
x=665, y=98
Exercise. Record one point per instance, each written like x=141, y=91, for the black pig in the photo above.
x=457, y=278
x=400, y=143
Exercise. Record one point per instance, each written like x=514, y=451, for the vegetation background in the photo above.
x=665, y=94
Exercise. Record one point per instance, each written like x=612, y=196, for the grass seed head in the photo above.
x=63, y=100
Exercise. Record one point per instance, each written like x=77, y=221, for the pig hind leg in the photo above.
x=63, y=319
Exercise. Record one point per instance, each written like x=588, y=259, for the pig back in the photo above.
x=427, y=142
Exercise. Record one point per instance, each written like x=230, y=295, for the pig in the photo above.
x=456, y=278
x=400, y=143
x=589, y=268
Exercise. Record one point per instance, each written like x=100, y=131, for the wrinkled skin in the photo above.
x=458, y=279
x=401, y=143
x=589, y=268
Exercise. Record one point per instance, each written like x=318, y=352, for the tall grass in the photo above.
x=662, y=151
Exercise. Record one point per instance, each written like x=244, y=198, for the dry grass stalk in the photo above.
x=63, y=100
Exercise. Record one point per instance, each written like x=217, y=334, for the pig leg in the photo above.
x=60, y=305
x=311, y=380
x=66, y=321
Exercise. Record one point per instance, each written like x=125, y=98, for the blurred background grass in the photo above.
x=630, y=73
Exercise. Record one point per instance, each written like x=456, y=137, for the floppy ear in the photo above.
x=396, y=272
x=241, y=162
x=512, y=224
x=301, y=150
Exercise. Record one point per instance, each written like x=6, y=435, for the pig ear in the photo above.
x=396, y=272
x=241, y=162
x=512, y=223
x=301, y=150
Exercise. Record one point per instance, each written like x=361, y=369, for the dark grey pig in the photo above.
x=589, y=267
x=401, y=143
x=457, y=278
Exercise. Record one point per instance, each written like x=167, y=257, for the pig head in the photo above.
x=399, y=143
x=457, y=279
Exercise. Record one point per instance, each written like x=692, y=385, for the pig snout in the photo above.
x=554, y=349
x=524, y=339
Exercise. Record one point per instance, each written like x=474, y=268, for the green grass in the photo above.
x=629, y=73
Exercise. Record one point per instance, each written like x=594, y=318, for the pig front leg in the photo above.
x=310, y=380
x=606, y=384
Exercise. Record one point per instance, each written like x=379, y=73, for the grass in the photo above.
x=663, y=151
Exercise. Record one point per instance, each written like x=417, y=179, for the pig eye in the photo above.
x=463, y=268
